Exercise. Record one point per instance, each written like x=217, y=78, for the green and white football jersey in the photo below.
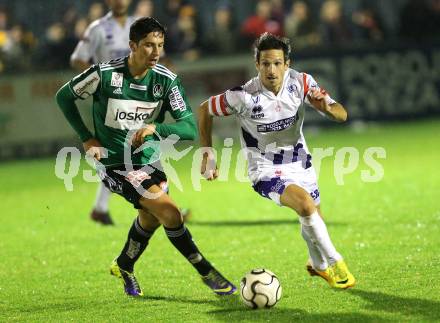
x=122, y=103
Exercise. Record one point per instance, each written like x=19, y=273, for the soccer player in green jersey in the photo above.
x=130, y=97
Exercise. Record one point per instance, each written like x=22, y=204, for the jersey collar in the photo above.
x=130, y=77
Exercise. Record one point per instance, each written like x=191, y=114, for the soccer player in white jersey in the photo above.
x=270, y=109
x=104, y=39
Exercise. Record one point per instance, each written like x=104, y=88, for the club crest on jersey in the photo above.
x=117, y=79
x=257, y=112
x=292, y=88
x=157, y=90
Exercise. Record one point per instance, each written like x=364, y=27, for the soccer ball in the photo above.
x=260, y=288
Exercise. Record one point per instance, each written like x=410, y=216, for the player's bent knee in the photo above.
x=148, y=221
x=305, y=207
x=170, y=216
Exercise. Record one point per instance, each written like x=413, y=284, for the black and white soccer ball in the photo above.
x=260, y=288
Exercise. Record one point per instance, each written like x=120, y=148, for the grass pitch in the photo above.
x=55, y=261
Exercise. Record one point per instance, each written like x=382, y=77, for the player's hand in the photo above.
x=138, y=138
x=208, y=168
x=317, y=99
x=93, y=148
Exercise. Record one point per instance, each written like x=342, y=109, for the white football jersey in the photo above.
x=104, y=39
x=271, y=125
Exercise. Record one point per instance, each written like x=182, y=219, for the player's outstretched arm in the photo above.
x=334, y=111
x=205, y=125
x=337, y=112
x=208, y=168
x=185, y=128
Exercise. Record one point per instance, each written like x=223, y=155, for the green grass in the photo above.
x=54, y=260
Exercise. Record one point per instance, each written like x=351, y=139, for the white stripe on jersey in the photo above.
x=113, y=61
x=164, y=69
x=217, y=106
x=163, y=73
x=111, y=67
x=310, y=83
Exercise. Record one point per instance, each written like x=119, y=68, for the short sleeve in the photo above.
x=227, y=103
x=87, y=83
x=310, y=83
x=87, y=46
x=176, y=101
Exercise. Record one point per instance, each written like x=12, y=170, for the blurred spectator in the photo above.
x=96, y=11
x=299, y=26
x=171, y=12
x=260, y=22
x=334, y=27
x=70, y=18
x=144, y=8
x=3, y=19
x=183, y=34
x=3, y=37
x=418, y=20
x=80, y=28
x=3, y=28
x=221, y=38
x=58, y=45
x=367, y=24
x=106, y=38
x=17, y=50
x=277, y=11
x=16, y=45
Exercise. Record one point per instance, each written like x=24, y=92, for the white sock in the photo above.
x=317, y=259
x=315, y=228
x=102, y=197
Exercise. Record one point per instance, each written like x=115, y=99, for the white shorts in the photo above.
x=271, y=181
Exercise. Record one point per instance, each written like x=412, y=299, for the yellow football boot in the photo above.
x=337, y=275
x=342, y=278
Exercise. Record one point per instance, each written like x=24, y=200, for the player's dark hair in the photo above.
x=269, y=41
x=143, y=26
